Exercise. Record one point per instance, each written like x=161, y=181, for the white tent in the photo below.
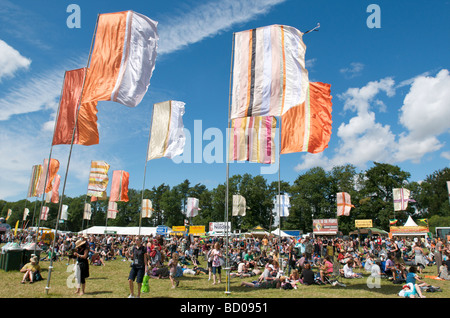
x=119, y=230
x=410, y=222
x=278, y=232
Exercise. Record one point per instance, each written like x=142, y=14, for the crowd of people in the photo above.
x=274, y=262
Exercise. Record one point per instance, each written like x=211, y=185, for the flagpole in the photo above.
x=279, y=193
x=145, y=169
x=227, y=261
x=68, y=160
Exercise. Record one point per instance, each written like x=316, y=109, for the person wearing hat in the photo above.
x=30, y=269
x=82, y=272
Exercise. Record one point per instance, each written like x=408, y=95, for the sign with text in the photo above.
x=363, y=223
x=219, y=227
x=197, y=229
x=325, y=226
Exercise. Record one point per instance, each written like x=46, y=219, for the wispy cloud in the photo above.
x=208, y=20
x=354, y=70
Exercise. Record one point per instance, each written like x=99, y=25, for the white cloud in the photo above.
x=208, y=20
x=446, y=155
x=11, y=60
x=354, y=70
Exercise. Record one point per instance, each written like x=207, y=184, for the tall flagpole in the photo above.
x=279, y=194
x=145, y=168
x=227, y=260
x=68, y=160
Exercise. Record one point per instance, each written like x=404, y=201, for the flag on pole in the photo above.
x=9, y=214
x=401, y=199
x=49, y=170
x=86, y=132
x=123, y=58
x=192, y=207
x=344, y=204
x=98, y=179
x=424, y=221
x=64, y=213
x=269, y=74
x=44, y=213
x=87, y=213
x=448, y=189
x=167, y=137
x=252, y=139
x=53, y=195
x=239, y=205
x=119, y=187
x=307, y=127
x=147, y=208
x=36, y=172
x=112, y=210
x=26, y=211
x=16, y=227
x=393, y=221
x=281, y=205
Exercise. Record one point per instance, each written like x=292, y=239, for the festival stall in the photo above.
x=409, y=230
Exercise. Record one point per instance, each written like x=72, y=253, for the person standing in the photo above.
x=139, y=258
x=82, y=266
x=216, y=255
x=173, y=264
x=438, y=254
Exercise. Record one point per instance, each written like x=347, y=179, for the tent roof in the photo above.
x=366, y=230
x=120, y=230
x=410, y=222
x=280, y=233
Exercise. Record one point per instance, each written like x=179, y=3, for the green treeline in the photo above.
x=313, y=196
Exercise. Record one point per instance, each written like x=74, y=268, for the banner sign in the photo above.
x=325, y=226
x=363, y=223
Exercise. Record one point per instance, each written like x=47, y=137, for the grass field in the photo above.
x=111, y=281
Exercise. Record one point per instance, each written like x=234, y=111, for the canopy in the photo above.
x=410, y=222
x=278, y=232
x=119, y=230
x=374, y=230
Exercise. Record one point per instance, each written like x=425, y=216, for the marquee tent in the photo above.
x=409, y=229
x=119, y=230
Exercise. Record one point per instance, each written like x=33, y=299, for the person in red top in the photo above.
x=326, y=269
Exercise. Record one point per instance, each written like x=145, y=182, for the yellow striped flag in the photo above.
x=36, y=173
x=9, y=214
x=98, y=179
x=167, y=136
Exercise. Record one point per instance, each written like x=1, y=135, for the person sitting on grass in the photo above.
x=348, y=270
x=30, y=270
x=410, y=290
x=275, y=283
x=307, y=275
x=413, y=278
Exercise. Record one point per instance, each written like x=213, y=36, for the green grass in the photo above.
x=111, y=281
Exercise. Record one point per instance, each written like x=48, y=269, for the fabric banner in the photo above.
x=86, y=131
x=119, y=187
x=253, y=139
x=26, y=211
x=112, y=210
x=269, y=74
x=54, y=193
x=344, y=204
x=147, y=208
x=192, y=207
x=167, y=138
x=281, y=205
x=448, y=188
x=36, y=172
x=307, y=127
x=44, y=213
x=239, y=205
x=49, y=170
x=123, y=58
x=64, y=213
x=401, y=199
x=98, y=179
x=8, y=215
x=87, y=213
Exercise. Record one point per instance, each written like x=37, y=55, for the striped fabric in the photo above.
x=401, y=199
x=344, y=204
x=98, y=179
x=112, y=210
x=26, y=211
x=52, y=169
x=64, y=213
x=147, y=208
x=36, y=172
x=8, y=215
x=307, y=127
x=119, y=187
x=252, y=139
x=44, y=213
x=167, y=137
x=87, y=213
x=269, y=74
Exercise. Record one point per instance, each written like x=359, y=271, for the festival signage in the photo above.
x=363, y=223
x=179, y=228
x=325, y=226
x=219, y=227
x=197, y=230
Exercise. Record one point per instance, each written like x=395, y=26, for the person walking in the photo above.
x=216, y=255
x=82, y=266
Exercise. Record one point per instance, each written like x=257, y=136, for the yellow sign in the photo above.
x=179, y=228
x=197, y=229
x=363, y=223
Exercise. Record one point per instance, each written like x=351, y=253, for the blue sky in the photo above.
x=390, y=87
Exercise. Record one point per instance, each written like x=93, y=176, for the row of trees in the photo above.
x=313, y=196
